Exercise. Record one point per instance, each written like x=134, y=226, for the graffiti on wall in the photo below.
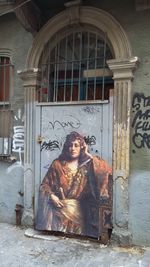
x=18, y=141
x=18, y=134
x=141, y=121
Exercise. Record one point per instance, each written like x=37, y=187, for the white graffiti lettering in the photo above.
x=18, y=139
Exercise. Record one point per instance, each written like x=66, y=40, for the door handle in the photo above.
x=40, y=139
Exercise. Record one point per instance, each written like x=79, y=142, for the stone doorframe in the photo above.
x=122, y=67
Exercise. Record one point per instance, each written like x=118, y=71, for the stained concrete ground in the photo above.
x=20, y=247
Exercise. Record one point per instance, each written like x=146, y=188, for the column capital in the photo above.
x=123, y=68
x=73, y=11
x=30, y=77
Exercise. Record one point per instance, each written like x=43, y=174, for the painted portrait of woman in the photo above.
x=70, y=191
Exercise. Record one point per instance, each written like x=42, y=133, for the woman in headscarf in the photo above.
x=70, y=191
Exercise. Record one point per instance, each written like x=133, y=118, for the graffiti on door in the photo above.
x=70, y=192
x=75, y=187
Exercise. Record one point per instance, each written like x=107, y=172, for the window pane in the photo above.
x=5, y=122
x=4, y=78
x=5, y=110
x=75, y=68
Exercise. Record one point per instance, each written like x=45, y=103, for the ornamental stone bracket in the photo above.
x=123, y=74
x=73, y=11
x=123, y=68
x=30, y=79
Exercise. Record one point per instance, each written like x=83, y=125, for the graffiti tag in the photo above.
x=72, y=123
x=68, y=123
x=91, y=109
x=18, y=142
x=141, y=121
x=18, y=147
x=90, y=141
x=18, y=139
x=50, y=145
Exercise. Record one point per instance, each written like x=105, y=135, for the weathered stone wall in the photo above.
x=136, y=24
x=18, y=41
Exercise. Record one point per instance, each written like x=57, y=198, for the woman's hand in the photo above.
x=56, y=201
x=85, y=146
x=104, y=193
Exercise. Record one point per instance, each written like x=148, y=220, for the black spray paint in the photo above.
x=90, y=141
x=54, y=145
x=141, y=121
x=50, y=145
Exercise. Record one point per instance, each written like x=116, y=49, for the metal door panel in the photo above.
x=58, y=121
x=54, y=122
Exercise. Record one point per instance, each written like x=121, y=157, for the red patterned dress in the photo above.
x=79, y=191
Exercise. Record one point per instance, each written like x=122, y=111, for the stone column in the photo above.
x=123, y=76
x=30, y=82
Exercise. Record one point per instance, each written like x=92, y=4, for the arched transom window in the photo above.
x=74, y=67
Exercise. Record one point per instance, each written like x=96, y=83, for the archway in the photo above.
x=90, y=16
x=122, y=67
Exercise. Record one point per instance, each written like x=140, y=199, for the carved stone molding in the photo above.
x=30, y=79
x=73, y=11
x=89, y=16
x=123, y=68
x=123, y=74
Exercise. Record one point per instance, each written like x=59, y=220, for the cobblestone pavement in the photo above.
x=21, y=247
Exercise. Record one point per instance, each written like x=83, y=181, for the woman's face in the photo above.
x=74, y=149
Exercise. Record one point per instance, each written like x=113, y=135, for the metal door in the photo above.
x=93, y=122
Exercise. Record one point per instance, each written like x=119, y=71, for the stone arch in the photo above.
x=90, y=16
x=122, y=67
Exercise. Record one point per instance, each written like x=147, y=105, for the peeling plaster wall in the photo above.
x=136, y=25
x=11, y=190
x=18, y=41
x=139, y=210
